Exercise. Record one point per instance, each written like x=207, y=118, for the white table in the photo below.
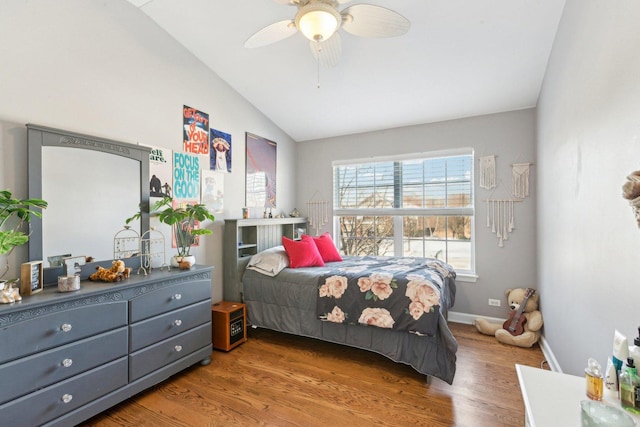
x=553, y=399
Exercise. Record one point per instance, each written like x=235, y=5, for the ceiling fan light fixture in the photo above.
x=318, y=21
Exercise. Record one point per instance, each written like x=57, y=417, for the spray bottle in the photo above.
x=629, y=382
x=634, y=350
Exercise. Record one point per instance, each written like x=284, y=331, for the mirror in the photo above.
x=91, y=184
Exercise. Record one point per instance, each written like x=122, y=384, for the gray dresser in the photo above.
x=65, y=357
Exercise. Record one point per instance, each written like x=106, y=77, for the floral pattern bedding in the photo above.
x=387, y=292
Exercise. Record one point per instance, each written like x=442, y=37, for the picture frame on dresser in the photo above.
x=31, y=278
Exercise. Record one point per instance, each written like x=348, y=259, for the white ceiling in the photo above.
x=460, y=58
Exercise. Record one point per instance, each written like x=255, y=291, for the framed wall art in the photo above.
x=31, y=278
x=260, y=172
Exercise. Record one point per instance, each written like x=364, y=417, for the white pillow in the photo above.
x=269, y=262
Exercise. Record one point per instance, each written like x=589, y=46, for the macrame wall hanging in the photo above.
x=488, y=172
x=318, y=214
x=501, y=218
x=520, y=173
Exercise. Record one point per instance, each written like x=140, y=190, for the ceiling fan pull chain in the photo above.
x=318, y=65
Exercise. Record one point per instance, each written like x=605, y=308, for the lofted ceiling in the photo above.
x=460, y=58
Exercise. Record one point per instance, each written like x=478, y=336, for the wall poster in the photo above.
x=212, y=191
x=195, y=131
x=220, y=149
x=160, y=160
x=260, y=172
x=186, y=177
x=187, y=225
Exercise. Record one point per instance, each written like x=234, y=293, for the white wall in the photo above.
x=588, y=127
x=510, y=136
x=105, y=69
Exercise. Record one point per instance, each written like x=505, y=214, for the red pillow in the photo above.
x=326, y=247
x=302, y=253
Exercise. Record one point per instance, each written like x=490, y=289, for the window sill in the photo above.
x=472, y=278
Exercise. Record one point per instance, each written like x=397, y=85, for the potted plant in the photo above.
x=182, y=220
x=13, y=214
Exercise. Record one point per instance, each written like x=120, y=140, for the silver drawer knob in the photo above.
x=67, y=362
x=177, y=297
x=66, y=398
x=177, y=322
x=65, y=327
x=178, y=348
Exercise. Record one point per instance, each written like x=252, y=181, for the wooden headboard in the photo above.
x=246, y=237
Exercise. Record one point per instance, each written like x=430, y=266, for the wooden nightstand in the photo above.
x=229, y=325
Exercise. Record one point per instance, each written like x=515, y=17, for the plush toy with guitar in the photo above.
x=522, y=328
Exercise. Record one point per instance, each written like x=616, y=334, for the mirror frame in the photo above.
x=42, y=136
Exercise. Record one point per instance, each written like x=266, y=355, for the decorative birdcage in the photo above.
x=152, y=251
x=126, y=243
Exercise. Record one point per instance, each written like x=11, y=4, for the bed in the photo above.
x=289, y=300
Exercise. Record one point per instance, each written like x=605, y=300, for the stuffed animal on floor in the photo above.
x=522, y=329
x=114, y=274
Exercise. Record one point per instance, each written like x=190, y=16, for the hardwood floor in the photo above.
x=276, y=379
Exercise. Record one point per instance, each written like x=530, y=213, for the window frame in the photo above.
x=397, y=214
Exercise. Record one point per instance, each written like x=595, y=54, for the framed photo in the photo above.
x=31, y=278
x=260, y=175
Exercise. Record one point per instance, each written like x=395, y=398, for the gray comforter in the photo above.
x=288, y=303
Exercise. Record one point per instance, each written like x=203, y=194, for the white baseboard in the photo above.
x=470, y=319
x=548, y=355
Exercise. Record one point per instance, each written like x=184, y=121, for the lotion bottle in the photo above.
x=629, y=383
x=619, y=355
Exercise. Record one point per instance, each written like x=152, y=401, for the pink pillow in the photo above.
x=326, y=247
x=302, y=253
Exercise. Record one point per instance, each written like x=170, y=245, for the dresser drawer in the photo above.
x=169, y=298
x=40, y=370
x=51, y=402
x=158, y=328
x=51, y=330
x=158, y=355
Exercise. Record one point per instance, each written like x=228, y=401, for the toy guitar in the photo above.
x=515, y=323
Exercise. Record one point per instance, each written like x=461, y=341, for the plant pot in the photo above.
x=182, y=261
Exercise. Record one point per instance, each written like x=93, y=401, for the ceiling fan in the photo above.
x=320, y=20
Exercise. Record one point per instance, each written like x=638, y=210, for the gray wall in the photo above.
x=588, y=127
x=105, y=69
x=510, y=136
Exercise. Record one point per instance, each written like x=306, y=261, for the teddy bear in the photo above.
x=116, y=273
x=532, y=320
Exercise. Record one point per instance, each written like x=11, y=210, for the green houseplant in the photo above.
x=182, y=220
x=13, y=214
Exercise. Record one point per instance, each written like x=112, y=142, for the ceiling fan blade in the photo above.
x=297, y=2
x=366, y=20
x=329, y=51
x=271, y=34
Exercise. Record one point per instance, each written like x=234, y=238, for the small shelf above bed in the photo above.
x=246, y=246
x=244, y=238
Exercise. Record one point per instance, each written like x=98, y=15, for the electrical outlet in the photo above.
x=494, y=302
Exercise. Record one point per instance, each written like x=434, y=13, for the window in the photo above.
x=420, y=206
